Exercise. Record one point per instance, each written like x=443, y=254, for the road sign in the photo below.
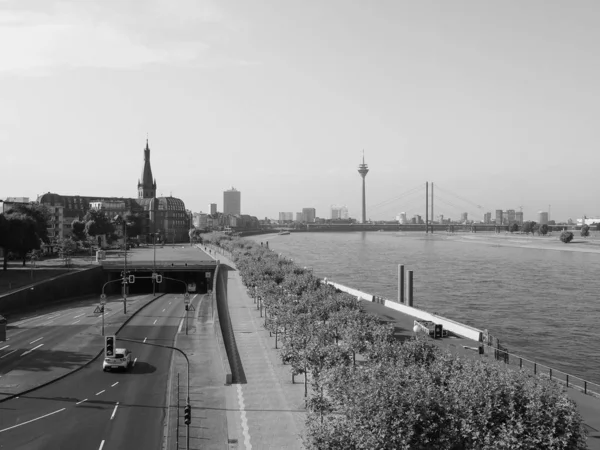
x=103, y=296
x=191, y=308
x=158, y=278
x=208, y=274
x=132, y=278
x=99, y=309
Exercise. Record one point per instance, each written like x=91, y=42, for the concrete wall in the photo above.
x=59, y=288
x=222, y=322
x=448, y=324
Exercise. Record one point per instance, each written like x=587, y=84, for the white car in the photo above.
x=121, y=360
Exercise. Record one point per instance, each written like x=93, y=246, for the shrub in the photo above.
x=585, y=230
x=566, y=236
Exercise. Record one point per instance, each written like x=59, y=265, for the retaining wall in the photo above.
x=448, y=324
x=60, y=288
x=222, y=322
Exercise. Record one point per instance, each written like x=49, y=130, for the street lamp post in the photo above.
x=154, y=267
x=119, y=221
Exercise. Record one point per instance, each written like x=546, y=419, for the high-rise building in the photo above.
x=511, y=216
x=504, y=217
x=308, y=215
x=417, y=219
x=363, y=169
x=464, y=217
x=487, y=217
x=339, y=212
x=401, y=218
x=543, y=218
x=498, y=217
x=212, y=209
x=232, y=202
x=298, y=217
x=519, y=217
x=286, y=217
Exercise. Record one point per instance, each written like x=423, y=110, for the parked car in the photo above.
x=121, y=360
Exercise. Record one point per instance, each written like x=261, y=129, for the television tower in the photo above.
x=363, y=169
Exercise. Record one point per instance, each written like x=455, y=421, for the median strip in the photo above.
x=32, y=420
x=29, y=351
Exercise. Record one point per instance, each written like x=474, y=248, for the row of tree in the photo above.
x=24, y=228
x=543, y=229
x=400, y=395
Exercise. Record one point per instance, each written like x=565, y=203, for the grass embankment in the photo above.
x=409, y=395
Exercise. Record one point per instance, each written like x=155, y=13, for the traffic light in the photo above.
x=187, y=307
x=187, y=414
x=132, y=278
x=159, y=278
x=109, y=346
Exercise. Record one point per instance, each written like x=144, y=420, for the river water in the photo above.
x=541, y=304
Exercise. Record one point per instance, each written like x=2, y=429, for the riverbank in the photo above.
x=551, y=242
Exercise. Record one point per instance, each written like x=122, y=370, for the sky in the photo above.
x=496, y=103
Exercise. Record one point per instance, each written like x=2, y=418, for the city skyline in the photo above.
x=497, y=105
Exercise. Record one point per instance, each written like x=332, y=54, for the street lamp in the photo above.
x=118, y=220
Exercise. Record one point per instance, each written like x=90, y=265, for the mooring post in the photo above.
x=409, y=296
x=400, y=283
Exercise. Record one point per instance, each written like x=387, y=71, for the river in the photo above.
x=540, y=303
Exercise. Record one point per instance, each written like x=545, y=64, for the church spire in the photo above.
x=147, y=185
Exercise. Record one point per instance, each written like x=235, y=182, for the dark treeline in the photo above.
x=395, y=395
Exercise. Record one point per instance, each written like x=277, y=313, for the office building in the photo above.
x=487, y=217
x=339, y=212
x=212, y=209
x=286, y=217
x=232, y=202
x=298, y=217
x=308, y=215
x=498, y=217
x=543, y=218
x=511, y=216
x=519, y=217
x=401, y=218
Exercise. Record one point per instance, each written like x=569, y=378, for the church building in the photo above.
x=165, y=216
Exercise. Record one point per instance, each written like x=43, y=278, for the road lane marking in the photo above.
x=77, y=321
x=29, y=351
x=79, y=316
x=113, y=385
x=46, y=323
x=114, y=411
x=134, y=362
x=101, y=392
x=4, y=347
x=32, y=420
x=101, y=444
x=180, y=325
x=164, y=310
x=145, y=339
x=33, y=342
x=154, y=322
x=84, y=400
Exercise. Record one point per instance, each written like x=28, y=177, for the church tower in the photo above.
x=147, y=185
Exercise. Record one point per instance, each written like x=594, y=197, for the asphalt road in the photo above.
x=92, y=409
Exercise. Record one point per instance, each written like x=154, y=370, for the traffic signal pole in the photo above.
x=188, y=407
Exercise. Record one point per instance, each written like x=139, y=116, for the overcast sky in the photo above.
x=497, y=103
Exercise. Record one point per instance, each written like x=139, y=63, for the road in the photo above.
x=92, y=409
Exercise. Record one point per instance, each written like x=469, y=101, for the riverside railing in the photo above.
x=519, y=362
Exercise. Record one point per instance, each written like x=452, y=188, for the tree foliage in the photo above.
x=514, y=227
x=20, y=234
x=528, y=227
x=585, y=230
x=408, y=395
x=98, y=223
x=543, y=229
x=566, y=236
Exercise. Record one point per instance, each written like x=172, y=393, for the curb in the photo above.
x=27, y=391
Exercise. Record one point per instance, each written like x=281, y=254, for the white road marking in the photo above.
x=46, y=323
x=180, y=325
x=169, y=303
x=145, y=339
x=114, y=411
x=29, y=351
x=113, y=385
x=33, y=342
x=134, y=362
x=4, y=347
x=77, y=321
x=79, y=316
x=164, y=310
x=154, y=322
x=101, y=444
x=101, y=392
x=84, y=400
x=32, y=420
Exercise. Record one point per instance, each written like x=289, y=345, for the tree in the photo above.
x=566, y=236
x=585, y=230
x=97, y=223
x=38, y=213
x=598, y=226
x=528, y=227
x=78, y=230
x=20, y=235
x=514, y=227
x=66, y=247
x=134, y=225
x=543, y=229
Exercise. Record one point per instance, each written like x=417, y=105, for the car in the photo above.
x=121, y=360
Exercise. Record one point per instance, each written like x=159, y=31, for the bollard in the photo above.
x=400, y=283
x=567, y=380
x=409, y=294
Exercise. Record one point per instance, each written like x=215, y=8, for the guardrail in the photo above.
x=519, y=362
